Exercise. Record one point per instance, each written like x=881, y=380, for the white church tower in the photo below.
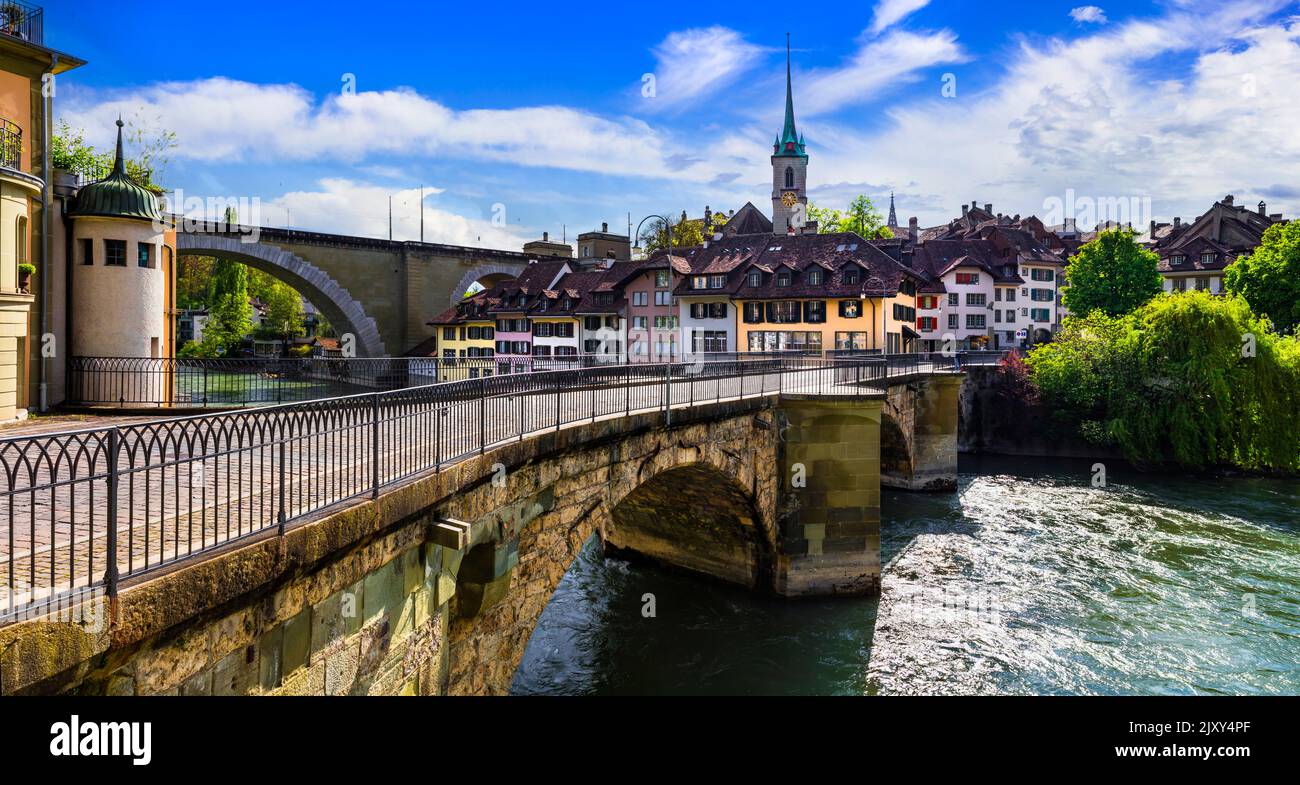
x=789, y=168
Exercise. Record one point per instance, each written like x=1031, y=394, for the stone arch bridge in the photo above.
x=381, y=291
x=434, y=586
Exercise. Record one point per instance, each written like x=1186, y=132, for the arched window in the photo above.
x=789, y=177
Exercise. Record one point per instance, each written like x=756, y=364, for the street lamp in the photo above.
x=636, y=249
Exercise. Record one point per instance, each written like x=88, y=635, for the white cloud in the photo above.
x=1094, y=115
x=693, y=63
x=1089, y=14
x=878, y=65
x=342, y=206
x=224, y=120
x=890, y=12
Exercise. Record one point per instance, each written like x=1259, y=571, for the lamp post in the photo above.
x=668, y=229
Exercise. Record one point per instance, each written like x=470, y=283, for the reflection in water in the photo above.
x=1028, y=580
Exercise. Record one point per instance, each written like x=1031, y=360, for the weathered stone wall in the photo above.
x=830, y=497
x=919, y=441
x=528, y=530
x=990, y=423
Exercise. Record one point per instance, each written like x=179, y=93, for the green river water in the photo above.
x=1028, y=580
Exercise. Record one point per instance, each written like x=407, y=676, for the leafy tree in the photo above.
x=1112, y=274
x=284, y=314
x=828, y=218
x=861, y=217
x=1188, y=379
x=150, y=144
x=193, y=281
x=685, y=234
x=1269, y=278
x=230, y=317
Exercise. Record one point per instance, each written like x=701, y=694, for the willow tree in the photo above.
x=1188, y=379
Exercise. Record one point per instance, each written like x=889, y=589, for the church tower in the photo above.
x=789, y=168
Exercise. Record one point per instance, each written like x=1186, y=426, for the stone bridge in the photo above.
x=381, y=291
x=435, y=586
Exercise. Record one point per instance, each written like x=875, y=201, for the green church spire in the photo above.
x=790, y=143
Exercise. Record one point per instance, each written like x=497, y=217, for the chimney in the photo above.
x=1263, y=208
x=1178, y=222
x=708, y=217
x=913, y=230
x=1153, y=229
x=546, y=237
x=988, y=208
x=965, y=210
x=973, y=205
x=604, y=227
x=1228, y=200
x=683, y=216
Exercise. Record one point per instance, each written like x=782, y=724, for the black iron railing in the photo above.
x=11, y=145
x=22, y=21
x=260, y=381
x=86, y=509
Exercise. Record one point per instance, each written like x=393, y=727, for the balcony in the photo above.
x=22, y=21
x=11, y=145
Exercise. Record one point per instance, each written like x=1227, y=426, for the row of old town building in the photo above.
x=982, y=281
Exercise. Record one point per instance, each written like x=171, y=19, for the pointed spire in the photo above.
x=789, y=143
x=893, y=215
x=119, y=163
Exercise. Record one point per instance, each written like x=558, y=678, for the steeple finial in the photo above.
x=789, y=144
x=119, y=163
x=893, y=216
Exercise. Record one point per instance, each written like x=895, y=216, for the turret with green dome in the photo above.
x=118, y=195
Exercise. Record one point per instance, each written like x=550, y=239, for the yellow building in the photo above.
x=464, y=340
x=824, y=293
x=28, y=71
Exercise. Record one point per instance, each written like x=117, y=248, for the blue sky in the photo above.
x=528, y=118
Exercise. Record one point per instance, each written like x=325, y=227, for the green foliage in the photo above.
x=1111, y=274
x=27, y=267
x=230, y=317
x=1188, y=379
x=1269, y=278
x=861, y=217
x=685, y=234
x=152, y=145
x=193, y=281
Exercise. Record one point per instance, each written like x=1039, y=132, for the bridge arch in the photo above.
x=489, y=275
x=338, y=305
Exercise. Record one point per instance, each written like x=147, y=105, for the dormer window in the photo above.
x=814, y=277
x=1208, y=258
x=1179, y=259
x=851, y=276
x=755, y=279
x=783, y=279
x=700, y=282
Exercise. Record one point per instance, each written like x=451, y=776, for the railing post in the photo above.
x=668, y=394
x=205, y=384
x=482, y=415
x=374, y=446
x=437, y=440
x=557, y=401
x=284, y=515
x=110, y=571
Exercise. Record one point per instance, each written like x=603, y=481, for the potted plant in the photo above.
x=25, y=273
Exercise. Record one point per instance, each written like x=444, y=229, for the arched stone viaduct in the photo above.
x=381, y=291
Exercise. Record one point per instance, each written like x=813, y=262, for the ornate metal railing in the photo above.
x=11, y=145
x=86, y=509
x=260, y=381
x=22, y=21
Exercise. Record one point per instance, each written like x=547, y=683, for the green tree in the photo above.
x=828, y=218
x=1189, y=379
x=1269, y=278
x=283, y=311
x=861, y=217
x=685, y=234
x=194, y=281
x=1111, y=274
x=148, y=149
x=230, y=317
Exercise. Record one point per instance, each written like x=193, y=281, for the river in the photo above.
x=1028, y=580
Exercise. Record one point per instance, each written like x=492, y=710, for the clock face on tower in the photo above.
x=789, y=198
